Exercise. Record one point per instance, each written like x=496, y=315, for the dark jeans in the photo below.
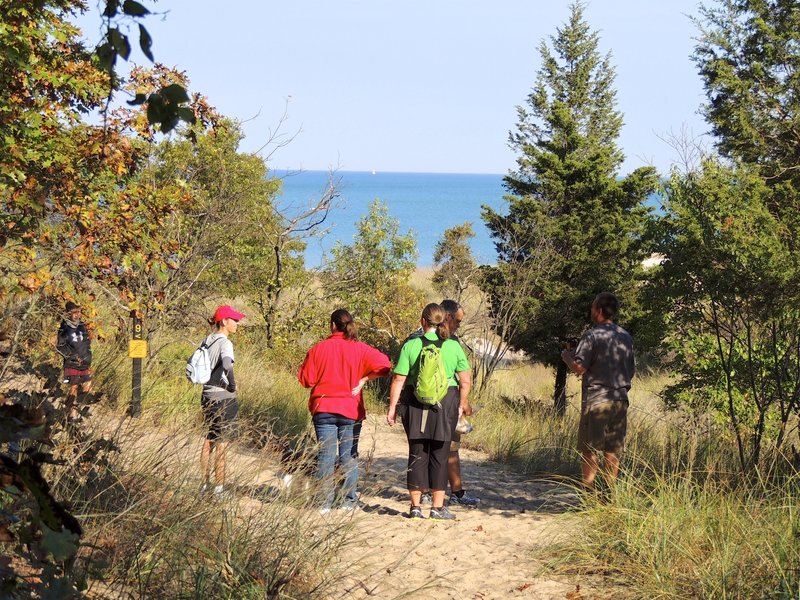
x=337, y=431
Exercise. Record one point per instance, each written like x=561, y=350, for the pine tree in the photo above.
x=749, y=58
x=570, y=216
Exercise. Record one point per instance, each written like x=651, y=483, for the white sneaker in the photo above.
x=324, y=510
x=221, y=493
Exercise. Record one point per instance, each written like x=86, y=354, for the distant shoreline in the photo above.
x=376, y=172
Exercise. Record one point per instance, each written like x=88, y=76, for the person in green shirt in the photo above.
x=429, y=429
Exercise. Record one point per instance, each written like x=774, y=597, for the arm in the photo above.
x=394, y=397
x=579, y=358
x=464, y=387
x=61, y=344
x=307, y=373
x=568, y=356
x=227, y=369
x=376, y=364
x=369, y=377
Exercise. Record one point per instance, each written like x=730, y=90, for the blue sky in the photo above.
x=422, y=85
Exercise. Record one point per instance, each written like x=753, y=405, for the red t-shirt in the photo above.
x=332, y=368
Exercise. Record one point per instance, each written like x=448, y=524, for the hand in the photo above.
x=391, y=416
x=357, y=390
x=465, y=410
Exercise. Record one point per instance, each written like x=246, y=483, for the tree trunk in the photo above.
x=560, y=393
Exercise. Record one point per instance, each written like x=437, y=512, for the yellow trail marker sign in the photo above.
x=137, y=348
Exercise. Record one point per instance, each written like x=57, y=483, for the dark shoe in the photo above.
x=464, y=500
x=441, y=514
x=415, y=513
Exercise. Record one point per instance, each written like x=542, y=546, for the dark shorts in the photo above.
x=603, y=427
x=427, y=465
x=424, y=423
x=76, y=376
x=221, y=417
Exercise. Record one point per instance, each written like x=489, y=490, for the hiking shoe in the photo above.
x=415, y=513
x=222, y=494
x=206, y=488
x=426, y=499
x=464, y=500
x=441, y=514
x=325, y=510
x=349, y=506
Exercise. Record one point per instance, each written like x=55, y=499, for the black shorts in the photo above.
x=221, y=417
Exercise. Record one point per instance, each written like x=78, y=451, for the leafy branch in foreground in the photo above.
x=167, y=106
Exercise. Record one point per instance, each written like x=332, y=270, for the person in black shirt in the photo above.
x=75, y=347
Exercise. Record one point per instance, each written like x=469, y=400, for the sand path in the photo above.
x=487, y=553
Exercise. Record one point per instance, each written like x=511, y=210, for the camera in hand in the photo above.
x=571, y=343
x=463, y=426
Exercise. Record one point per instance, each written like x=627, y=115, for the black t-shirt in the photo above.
x=74, y=345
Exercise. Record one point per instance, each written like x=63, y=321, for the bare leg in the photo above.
x=454, y=471
x=219, y=463
x=416, y=497
x=71, y=403
x=588, y=468
x=610, y=466
x=205, y=459
x=86, y=387
x=438, y=498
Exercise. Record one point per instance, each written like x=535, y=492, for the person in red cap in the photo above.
x=74, y=345
x=220, y=409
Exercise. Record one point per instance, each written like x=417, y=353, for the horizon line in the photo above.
x=379, y=172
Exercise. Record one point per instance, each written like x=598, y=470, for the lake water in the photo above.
x=423, y=203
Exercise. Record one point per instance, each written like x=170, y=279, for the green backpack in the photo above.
x=432, y=381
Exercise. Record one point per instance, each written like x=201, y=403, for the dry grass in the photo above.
x=680, y=522
x=150, y=534
x=134, y=486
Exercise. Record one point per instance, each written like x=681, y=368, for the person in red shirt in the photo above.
x=336, y=369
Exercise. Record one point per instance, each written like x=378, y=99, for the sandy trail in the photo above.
x=487, y=553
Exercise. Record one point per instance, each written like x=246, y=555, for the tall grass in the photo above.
x=150, y=534
x=134, y=485
x=689, y=535
x=681, y=522
x=271, y=401
x=515, y=423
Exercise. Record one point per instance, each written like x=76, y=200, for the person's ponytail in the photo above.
x=433, y=315
x=343, y=321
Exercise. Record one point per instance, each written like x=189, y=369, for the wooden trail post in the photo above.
x=137, y=350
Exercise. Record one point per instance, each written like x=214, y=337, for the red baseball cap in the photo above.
x=227, y=312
